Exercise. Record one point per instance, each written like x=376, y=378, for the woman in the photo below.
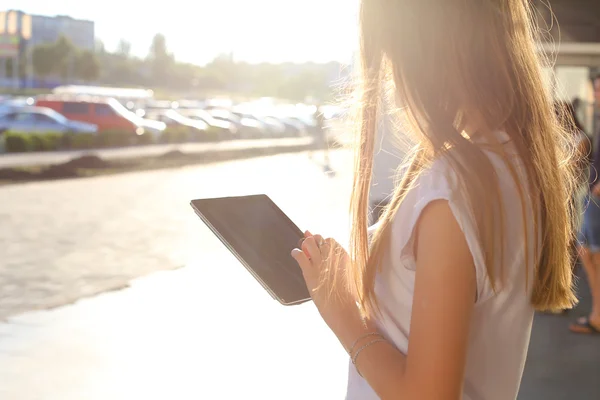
x=437, y=300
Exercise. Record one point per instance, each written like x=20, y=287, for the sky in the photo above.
x=197, y=31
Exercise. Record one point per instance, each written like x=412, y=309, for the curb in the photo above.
x=40, y=159
x=173, y=158
x=208, y=157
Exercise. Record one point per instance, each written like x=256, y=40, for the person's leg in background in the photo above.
x=325, y=149
x=589, y=255
x=315, y=145
x=587, y=261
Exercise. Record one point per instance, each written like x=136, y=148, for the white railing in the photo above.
x=573, y=54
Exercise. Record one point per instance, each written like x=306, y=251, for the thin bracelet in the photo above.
x=372, y=342
x=366, y=335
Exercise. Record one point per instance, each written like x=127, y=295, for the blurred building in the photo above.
x=47, y=29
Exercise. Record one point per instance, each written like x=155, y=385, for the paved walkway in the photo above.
x=561, y=365
x=206, y=331
x=67, y=239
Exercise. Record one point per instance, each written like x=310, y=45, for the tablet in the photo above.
x=262, y=237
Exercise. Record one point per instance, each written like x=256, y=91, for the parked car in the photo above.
x=154, y=106
x=225, y=129
x=188, y=104
x=105, y=112
x=293, y=127
x=173, y=118
x=12, y=103
x=247, y=127
x=270, y=126
x=31, y=119
x=275, y=126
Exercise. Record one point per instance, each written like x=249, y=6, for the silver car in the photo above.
x=41, y=120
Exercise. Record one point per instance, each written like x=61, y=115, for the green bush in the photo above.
x=115, y=138
x=83, y=141
x=20, y=142
x=146, y=138
x=210, y=135
x=16, y=142
x=213, y=134
x=175, y=135
x=37, y=142
x=45, y=141
x=65, y=141
x=52, y=140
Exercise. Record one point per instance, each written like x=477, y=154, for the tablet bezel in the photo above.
x=235, y=253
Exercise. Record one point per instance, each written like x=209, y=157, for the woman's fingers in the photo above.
x=310, y=247
x=319, y=239
x=302, y=259
x=325, y=247
x=307, y=234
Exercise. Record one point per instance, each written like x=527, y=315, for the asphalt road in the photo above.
x=204, y=331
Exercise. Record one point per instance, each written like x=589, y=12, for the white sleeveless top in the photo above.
x=501, y=322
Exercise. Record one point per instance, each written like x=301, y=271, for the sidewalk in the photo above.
x=173, y=335
x=205, y=331
x=178, y=335
x=8, y=160
x=560, y=364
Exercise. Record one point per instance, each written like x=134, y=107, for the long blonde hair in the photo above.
x=448, y=60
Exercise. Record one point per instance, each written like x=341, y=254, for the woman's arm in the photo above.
x=445, y=292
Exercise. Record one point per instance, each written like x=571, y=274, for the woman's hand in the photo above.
x=323, y=263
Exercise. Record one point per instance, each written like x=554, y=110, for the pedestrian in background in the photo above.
x=476, y=236
x=589, y=239
x=320, y=137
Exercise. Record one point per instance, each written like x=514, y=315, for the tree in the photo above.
x=161, y=60
x=158, y=49
x=210, y=79
x=65, y=55
x=22, y=66
x=43, y=60
x=99, y=47
x=124, y=48
x=88, y=67
x=123, y=72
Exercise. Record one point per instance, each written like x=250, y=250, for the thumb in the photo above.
x=301, y=259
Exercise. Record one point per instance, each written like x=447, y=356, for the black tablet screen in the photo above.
x=263, y=238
